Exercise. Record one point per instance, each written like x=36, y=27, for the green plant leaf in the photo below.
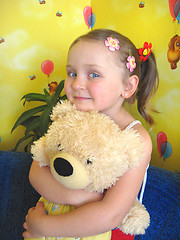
x=28, y=114
x=28, y=122
x=35, y=125
x=59, y=89
x=45, y=120
x=22, y=140
x=30, y=142
x=52, y=100
x=63, y=97
x=34, y=97
x=46, y=92
x=37, y=120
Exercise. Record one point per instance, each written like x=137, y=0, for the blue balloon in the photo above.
x=91, y=20
x=163, y=147
x=178, y=17
x=168, y=151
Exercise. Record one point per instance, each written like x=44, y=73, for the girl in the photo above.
x=104, y=69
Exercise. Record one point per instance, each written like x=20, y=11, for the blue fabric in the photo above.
x=161, y=198
x=16, y=193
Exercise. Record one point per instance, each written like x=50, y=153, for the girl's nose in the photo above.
x=78, y=83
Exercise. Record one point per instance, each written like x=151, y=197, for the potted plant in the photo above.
x=37, y=119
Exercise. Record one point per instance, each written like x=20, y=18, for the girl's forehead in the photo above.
x=88, y=46
x=92, y=50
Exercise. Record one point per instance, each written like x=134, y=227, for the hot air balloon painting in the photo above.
x=164, y=147
x=174, y=7
x=89, y=17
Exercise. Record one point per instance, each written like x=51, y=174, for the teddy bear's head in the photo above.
x=86, y=150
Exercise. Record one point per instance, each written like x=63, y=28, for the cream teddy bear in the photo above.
x=87, y=150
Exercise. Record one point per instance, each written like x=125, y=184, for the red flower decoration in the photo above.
x=145, y=52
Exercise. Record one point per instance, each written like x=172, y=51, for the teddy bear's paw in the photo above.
x=136, y=221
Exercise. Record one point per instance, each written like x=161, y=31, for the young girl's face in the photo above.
x=94, y=77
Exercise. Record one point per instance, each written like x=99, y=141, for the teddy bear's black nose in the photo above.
x=63, y=167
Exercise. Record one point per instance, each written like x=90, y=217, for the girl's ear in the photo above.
x=131, y=87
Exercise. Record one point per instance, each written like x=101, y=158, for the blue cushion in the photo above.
x=17, y=195
x=162, y=200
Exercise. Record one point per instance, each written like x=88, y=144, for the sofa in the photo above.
x=161, y=198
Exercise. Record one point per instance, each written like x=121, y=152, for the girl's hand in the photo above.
x=33, y=218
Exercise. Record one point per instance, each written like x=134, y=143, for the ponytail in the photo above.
x=148, y=85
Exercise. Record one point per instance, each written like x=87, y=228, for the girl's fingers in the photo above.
x=26, y=234
x=31, y=210
x=25, y=225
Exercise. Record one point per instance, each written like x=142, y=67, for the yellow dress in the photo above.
x=57, y=209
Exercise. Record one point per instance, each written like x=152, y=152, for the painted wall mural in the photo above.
x=36, y=32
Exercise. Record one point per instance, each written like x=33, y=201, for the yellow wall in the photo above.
x=33, y=33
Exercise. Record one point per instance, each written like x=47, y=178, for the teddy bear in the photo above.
x=88, y=150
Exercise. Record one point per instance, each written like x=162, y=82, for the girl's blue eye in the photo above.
x=94, y=75
x=72, y=74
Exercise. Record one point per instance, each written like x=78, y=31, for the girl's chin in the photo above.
x=83, y=104
x=83, y=107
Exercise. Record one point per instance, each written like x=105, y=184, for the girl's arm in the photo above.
x=96, y=217
x=45, y=184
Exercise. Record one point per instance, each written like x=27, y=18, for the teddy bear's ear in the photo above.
x=61, y=109
x=38, y=151
x=133, y=145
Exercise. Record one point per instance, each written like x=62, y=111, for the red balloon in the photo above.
x=161, y=138
x=176, y=8
x=87, y=12
x=163, y=147
x=171, y=8
x=47, y=67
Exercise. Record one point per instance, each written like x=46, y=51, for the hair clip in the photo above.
x=131, y=62
x=145, y=51
x=112, y=43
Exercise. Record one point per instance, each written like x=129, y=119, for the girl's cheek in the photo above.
x=66, y=87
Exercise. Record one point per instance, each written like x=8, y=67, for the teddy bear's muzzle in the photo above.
x=69, y=171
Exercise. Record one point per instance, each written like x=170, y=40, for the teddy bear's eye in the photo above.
x=88, y=161
x=59, y=147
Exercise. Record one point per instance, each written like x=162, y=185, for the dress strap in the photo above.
x=143, y=186
x=132, y=124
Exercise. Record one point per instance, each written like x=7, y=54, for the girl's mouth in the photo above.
x=81, y=98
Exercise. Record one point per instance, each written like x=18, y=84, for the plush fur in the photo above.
x=88, y=150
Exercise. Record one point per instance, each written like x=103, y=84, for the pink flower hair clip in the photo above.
x=131, y=62
x=112, y=43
